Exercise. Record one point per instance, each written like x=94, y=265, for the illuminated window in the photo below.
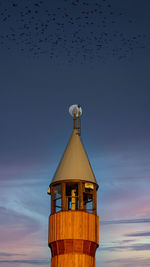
x=72, y=198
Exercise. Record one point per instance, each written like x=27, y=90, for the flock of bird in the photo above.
x=68, y=31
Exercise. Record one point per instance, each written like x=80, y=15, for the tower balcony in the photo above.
x=73, y=196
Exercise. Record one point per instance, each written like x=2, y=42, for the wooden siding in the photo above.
x=73, y=246
x=73, y=225
x=73, y=260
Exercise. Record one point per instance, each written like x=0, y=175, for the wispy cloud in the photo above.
x=135, y=247
x=140, y=247
x=34, y=262
x=139, y=234
x=126, y=221
x=5, y=254
x=127, y=241
x=15, y=226
x=138, y=262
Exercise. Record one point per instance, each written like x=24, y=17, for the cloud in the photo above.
x=140, y=247
x=138, y=262
x=5, y=254
x=139, y=234
x=134, y=247
x=34, y=262
x=127, y=241
x=14, y=218
x=113, y=248
x=127, y=221
x=15, y=226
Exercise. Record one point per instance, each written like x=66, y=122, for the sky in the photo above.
x=54, y=54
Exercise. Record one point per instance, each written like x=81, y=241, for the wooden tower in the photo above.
x=73, y=224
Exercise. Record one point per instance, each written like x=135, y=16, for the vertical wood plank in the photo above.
x=80, y=189
x=94, y=200
x=52, y=200
x=97, y=228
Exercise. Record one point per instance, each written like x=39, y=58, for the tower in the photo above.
x=73, y=224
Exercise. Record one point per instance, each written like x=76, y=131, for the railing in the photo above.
x=72, y=203
x=57, y=206
x=73, y=196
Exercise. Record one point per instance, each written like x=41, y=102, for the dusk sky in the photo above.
x=54, y=54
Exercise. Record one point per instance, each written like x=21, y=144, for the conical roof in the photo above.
x=74, y=164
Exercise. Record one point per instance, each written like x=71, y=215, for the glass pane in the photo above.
x=58, y=204
x=57, y=191
x=88, y=202
x=89, y=206
x=57, y=198
x=69, y=203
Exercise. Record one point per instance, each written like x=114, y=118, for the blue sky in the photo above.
x=35, y=94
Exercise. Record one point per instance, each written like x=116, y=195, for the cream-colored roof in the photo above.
x=74, y=164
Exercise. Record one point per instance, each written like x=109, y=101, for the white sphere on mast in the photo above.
x=75, y=110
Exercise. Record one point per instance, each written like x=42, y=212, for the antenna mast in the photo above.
x=76, y=112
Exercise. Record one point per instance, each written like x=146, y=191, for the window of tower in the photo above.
x=72, y=197
x=57, y=198
x=88, y=200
